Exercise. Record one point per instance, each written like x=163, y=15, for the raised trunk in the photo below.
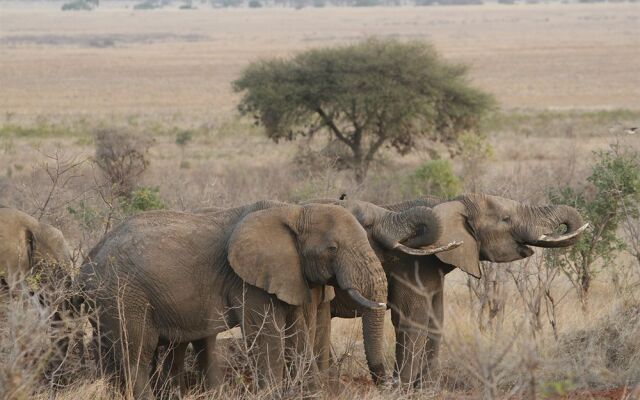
x=415, y=228
x=540, y=224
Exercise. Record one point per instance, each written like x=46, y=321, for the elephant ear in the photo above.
x=453, y=215
x=263, y=252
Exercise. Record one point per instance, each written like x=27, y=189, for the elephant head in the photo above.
x=26, y=244
x=413, y=232
x=496, y=229
x=284, y=249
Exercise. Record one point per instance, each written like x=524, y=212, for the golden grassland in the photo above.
x=564, y=74
x=121, y=61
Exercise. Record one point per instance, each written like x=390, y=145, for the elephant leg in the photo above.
x=207, y=361
x=140, y=343
x=263, y=327
x=172, y=373
x=322, y=342
x=432, y=350
x=411, y=339
x=299, y=342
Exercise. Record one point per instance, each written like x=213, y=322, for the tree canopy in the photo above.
x=369, y=94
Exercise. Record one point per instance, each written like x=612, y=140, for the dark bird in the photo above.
x=343, y=196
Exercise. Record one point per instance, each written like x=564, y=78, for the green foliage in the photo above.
x=188, y=5
x=366, y=3
x=151, y=4
x=555, y=123
x=255, y=4
x=434, y=178
x=475, y=151
x=184, y=137
x=88, y=217
x=366, y=94
x=77, y=5
x=557, y=388
x=612, y=194
x=143, y=199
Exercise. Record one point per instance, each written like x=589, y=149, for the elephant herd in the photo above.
x=281, y=271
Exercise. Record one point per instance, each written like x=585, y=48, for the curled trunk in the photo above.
x=413, y=228
x=541, y=226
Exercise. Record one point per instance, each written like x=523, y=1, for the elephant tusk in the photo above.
x=426, y=251
x=561, y=238
x=364, y=302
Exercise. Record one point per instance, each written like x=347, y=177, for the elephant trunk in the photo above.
x=408, y=230
x=365, y=282
x=367, y=286
x=540, y=225
x=373, y=333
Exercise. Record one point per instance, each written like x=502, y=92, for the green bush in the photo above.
x=434, y=178
x=611, y=195
x=77, y=5
x=150, y=4
x=143, y=199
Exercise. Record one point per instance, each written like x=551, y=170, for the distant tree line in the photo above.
x=191, y=4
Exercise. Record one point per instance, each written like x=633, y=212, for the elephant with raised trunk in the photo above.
x=25, y=244
x=173, y=277
x=490, y=228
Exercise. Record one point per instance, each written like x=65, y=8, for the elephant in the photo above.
x=406, y=232
x=172, y=277
x=32, y=249
x=490, y=228
x=27, y=244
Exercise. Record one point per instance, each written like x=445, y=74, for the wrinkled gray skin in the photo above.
x=173, y=277
x=387, y=231
x=393, y=235
x=26, y=243
x=491, y=229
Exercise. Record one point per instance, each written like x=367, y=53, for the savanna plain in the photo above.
x=566, y=78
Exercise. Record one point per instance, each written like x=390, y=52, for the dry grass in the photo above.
x=180, y=63
x=170, y=70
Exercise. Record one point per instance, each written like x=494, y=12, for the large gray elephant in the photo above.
x=176, y=277
x=490, y=228
x=393, y=233
x=26, y=244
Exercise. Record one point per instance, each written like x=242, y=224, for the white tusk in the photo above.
x=551, y=238
x=429, y=250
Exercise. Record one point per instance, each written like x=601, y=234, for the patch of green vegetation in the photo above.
x=151, y=4
x=434, y=178
x=144, y=199
x=560, y=122
x=238, y=126
x=77, y=5
x=556, y=388
x=611, y=196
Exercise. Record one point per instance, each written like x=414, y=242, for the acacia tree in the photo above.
x=366, y=95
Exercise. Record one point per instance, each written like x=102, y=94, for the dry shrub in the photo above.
x=605, y=354
x=41, y=346
x=122, y=157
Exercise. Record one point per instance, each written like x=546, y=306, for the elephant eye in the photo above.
x=506, y=218
x=332, y=248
